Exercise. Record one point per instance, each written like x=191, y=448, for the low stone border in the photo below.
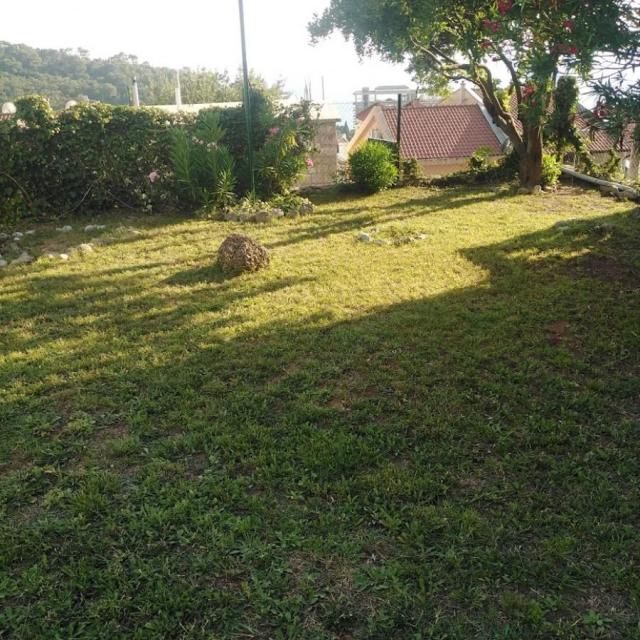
x=370, y=238
x=267, y=215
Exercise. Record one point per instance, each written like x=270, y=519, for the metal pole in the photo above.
x=399, y=133
x=247, y=98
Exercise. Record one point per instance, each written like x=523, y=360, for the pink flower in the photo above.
x=310, y=163
x=274, y=131
x=568, y=25
x=491, y=25
x=485, y=44
x=504, y=6
x=153, y=176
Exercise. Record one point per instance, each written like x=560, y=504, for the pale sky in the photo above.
x=203, y=33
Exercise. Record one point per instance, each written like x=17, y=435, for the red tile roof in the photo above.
x=600, y=141
x=443, y=131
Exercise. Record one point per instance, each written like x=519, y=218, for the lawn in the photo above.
x=438, y=439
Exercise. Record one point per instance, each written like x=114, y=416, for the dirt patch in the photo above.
x=610, y=270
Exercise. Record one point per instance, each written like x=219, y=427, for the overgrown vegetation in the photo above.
x=435, y=439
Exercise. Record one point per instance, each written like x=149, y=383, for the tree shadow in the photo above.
x=484, y=437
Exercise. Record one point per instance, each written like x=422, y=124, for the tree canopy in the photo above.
x=63, y=75
x=532, y=40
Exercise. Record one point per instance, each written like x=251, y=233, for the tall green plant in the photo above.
x=203, y=166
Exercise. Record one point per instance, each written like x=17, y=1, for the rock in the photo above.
x=263, y=216
x=524, y=191
x=229, y=216
x=421, y=236
x=49, y=256
x=18, y=235
x=85, y=248
x=4, y=236
x=365, y=237
x=608, y=190
x=292, y=213
x=381, y=243
x=3, y=263
x=537, y=190
x=277, y=213
x=64, y=257
x=23, y=258
x=239, y=254
x=66, y=229
x=306, y=208
x=94, y=227
x=30, y=233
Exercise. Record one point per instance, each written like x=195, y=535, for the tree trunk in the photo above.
x=531, y=158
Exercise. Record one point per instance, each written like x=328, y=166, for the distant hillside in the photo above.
x=63, y=75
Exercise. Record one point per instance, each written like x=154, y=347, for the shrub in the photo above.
x=551, y=171
x=282, y=140
x=480, y=160
x=203, y=166
x=90, y=157
x=372, y=167
x=411, y=171
x=504, y=170
x=96, y=156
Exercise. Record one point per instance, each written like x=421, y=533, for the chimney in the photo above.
x=366, y=97
x=136, y=94
x=178, y=92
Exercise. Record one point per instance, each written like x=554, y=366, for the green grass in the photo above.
x=437, y=439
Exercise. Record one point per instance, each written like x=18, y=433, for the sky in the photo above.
x=199, y=33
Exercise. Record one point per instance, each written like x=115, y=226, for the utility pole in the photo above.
x=247, y=98
x=399, y=133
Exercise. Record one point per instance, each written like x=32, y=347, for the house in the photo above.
x=325, y=156
x=441, y=137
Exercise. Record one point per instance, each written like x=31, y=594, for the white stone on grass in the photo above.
x=86, y=248
x=66, y=229
x=3, y=263
x=30, y=233
x=64, y=257
x=23, y=258
x=365, y=237
x=18, y=235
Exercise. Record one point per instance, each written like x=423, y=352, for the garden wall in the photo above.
x=325, y=159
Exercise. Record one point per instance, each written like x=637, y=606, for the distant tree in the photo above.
x=62, y=75
x=618, y=111
x=533, y=40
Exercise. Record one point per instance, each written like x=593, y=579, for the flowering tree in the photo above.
x=533, y=40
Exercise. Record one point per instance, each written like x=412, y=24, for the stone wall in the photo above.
x=444, y=167
x=325, y=159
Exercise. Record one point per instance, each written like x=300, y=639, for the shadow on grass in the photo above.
x=421, y=467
